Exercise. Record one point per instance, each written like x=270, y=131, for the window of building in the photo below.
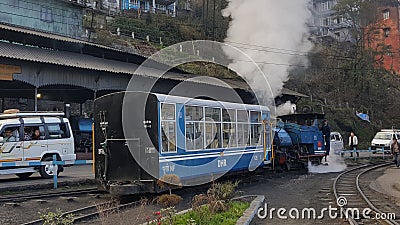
x=386, y=14
x=386, y=31
x=46, y=14
x=168, y=128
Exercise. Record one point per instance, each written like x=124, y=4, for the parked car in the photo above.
x=383, y=139
x=337, y=144
x=29, y=138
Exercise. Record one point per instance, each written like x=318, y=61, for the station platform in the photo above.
x=389, y=182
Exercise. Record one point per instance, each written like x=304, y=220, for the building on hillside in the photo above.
x=62, y=17
x=326, y=25
x=155, y=6
x=384, y=36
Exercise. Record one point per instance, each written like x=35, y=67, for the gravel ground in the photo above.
x=287, y=190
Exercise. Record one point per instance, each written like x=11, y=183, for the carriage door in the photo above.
x=11, y=146
x=34, y=142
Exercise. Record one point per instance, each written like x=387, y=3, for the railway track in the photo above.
x=29, y=196
x=358, y=203
x=92, y=211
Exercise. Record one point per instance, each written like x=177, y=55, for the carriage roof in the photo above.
x=209, y=103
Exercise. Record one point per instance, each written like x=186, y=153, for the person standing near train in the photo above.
x=326, y=132
x=353, y=142
x=395, y=149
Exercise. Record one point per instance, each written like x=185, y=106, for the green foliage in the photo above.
x=203, y=216
x=56, y=218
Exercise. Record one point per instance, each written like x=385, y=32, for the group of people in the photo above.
x=8, y=135
x=353, y=142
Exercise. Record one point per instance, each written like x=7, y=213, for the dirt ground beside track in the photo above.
x=287, y=190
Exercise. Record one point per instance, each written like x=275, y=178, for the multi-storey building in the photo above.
x=63, y=17
x=326, y=24
x=384, y=36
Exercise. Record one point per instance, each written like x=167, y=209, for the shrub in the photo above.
x=223, y=191
x=56, y=218
x=168, y=200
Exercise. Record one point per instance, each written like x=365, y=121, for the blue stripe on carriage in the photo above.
x=207, y=167
x=34, y=163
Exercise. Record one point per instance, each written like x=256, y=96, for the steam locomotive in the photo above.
x=142, y=138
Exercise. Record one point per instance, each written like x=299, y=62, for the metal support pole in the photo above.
x=55, y=169
x=370, y=153
x=36, y=99
x=383, y=153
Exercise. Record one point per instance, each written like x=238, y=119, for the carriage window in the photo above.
x=168, y=136
x=228, y=115
x=229, y=135
x=213, y=113
x=255, y=128
x=168, y=127
x=194, y=113
x=242, y=116
x=167, y=111
x=213, y=135
x=255, y=117
x=243, y=134
x=213, y=128
x=194, y=127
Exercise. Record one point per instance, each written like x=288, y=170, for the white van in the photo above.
x=383, y=139
x=28, y=138
x=336, y=142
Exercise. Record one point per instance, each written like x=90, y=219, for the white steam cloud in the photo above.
x=274, y=34
x=285, y=109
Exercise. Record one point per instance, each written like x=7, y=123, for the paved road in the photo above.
x=75, y=173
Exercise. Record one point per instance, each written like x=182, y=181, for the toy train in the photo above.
x=141, y=138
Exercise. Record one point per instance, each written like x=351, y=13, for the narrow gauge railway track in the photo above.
x=29, y=196
x=351, y=194
x=91, y=212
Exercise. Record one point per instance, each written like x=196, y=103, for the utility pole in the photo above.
x=213, y=28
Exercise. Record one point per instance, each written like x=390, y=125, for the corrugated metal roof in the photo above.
x=53, y=36
x=64, y=58
x=82, y=61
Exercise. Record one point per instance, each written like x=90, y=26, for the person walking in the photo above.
x=353, y=142
x=326, y=132
x=395, y=149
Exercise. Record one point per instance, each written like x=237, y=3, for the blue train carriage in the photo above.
x=195, y=140
x=299, y=139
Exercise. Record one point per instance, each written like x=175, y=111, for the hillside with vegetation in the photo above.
x=342, y=77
